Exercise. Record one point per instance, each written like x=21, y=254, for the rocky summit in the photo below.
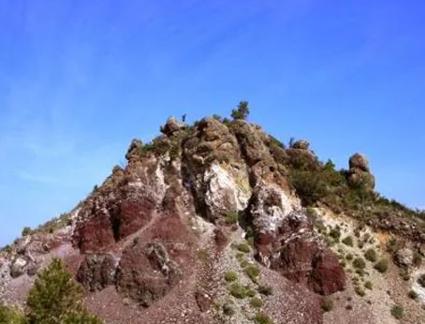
x=219, y=222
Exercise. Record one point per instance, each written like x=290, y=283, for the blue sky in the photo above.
x=80, y=79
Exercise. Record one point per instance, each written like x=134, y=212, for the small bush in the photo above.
x=238, y=291
x=371, y=255
x=359, y=291
x=349, y=257
x=368, y=285
x=348, y=241
x=397, y=312
x=265, y=290
x=421, y=280
x=228, y=309
x=256, y=302
x=26, y=231
x=327, y=304
x=262, y=318
x=382, y=266
x=335, y=233
x=359, y=263
x=243, y=247
x=230, y=276
x=231, y=217
x=252, y=272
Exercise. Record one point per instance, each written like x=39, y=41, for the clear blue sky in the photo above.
x=80, y=79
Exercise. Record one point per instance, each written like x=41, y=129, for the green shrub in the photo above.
x=349, y=257
x=368, y=285
x=256, y=302
x=327, y=304
x=335, y=233
x=231, y=217
x=397, y=311
x=359, y=263
x=308, y=185
x=228, y=309
x=241, y=111
x=26, y=231
x=238, y=291
x=252, y=272
x=371, y=255
x=265, y=290
x=56, y=297
x=250, y=292
x=382, y=266
x=243, y=247
x=359, y=291
x=348, y=241
x=230, y=276
x=262, y=318
x=9, y=315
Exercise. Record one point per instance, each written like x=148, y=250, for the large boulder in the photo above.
x=359, y=174
x=146, y=273
x=172, y=126
x=97, y=271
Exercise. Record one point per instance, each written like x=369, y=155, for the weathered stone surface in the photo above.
x=359, y=174
x=97, y=271
x=359, y=161
x=18, y=266
x=171, y=126
x=303, y=259
x=404, y=257
x=146, y=273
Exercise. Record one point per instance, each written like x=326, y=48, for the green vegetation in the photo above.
x=327, y=304
x=262, y=318
x=368, y=285
x=359, y=291
x=241, y=111
x=371, y=255
x=382, y=266
x=231, y=217
x=397, y=312
x=252, y=272
x=238, y=291
x=243, y=247
x=26, y=231
x=359, y=263
x=228, y=309
x=57, y=298
x=256, y=302
x=348, y=241
x=349, y=257
x=230, y=276
x=9, y=315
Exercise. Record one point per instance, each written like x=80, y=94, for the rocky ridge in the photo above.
x=155, y=243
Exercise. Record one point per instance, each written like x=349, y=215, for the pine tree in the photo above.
x=241, y=111
x=56, y=298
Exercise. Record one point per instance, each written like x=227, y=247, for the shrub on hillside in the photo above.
x=382, y=266
x=57, y=298
x=371, y=255
x=9, y=315
x=241, y=111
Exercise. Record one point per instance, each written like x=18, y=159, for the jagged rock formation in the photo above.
x=153, y=243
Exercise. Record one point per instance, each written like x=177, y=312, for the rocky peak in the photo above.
x=198, y=202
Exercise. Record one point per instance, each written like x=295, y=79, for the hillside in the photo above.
x=219, y=222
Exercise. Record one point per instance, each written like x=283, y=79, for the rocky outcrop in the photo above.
x=97, y=271
x=359, y=174
x=146, y=273
x=302, y=258
x=172, y=126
